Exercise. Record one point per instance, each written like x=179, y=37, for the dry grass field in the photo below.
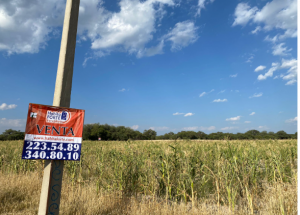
x=160, y=177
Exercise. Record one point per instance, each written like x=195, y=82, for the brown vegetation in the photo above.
x=161, y=177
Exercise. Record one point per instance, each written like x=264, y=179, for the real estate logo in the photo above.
x=58, y=116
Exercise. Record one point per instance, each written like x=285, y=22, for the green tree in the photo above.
x=253, y=132
x=11, y=134
x=201, y=135
x=149, y=134
x=282, y=135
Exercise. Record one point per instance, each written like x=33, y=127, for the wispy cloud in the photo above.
x=249, y=60
x=259, y=68
x=182, y=35
x=177, y=113
x=192, y=128
x=228, y=128
x=12, y=123
x=202, y=94
x=200, y=128
x=255, y=95
x=234, y=118
x=275, y=66
x=251, y=114
x=257, y=29
x=159, y=128
x=189, y=114
x=222, y=91
x=205, y=93
x=220, y=100
x=233, y=76
x=276, y=14
x=263, y=127
x=201, y=6
x=280, y=50
x=134, y=127
x=123, y=90
x=291, y=120
x=247, y=121
x=4, y=106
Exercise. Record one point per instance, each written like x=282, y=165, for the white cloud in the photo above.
x=277, y=14
x=202, y=94
x=122, y=90
x=271, y=39
x=177, y=113
x=201, y=128
x=134, y=127
x=274, y=67
x=182, y=35
x=233, y=76
x=222, y=91
x=189, y=114
x=234, y=118
x=257, y=29
x=291, y=82
x=220, y=100
x=159, y=128
x=249, y=60
x=193, y=128
x=228, y=128
x=128, y=30
x=255, y=95
x=263, y=127
x=12, y=122
x=210, y=128
x=247, y=121
x=251, y=114
x=291, y=74
x=17, y=124
x=27, y=26
x=201, y=5
x=4, y=106
x=259, y=68
x=291, y=120
x=243, y=14
x=280, y=50
x=148, y=52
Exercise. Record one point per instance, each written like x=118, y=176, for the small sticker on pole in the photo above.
x=53, y=133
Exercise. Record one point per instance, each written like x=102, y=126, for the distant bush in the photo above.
x=122, y=133
x=11, y=134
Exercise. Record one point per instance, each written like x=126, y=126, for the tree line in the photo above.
x=121, y=133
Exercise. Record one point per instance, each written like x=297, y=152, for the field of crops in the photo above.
x=160, y=177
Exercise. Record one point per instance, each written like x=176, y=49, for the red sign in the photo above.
x=52, y=128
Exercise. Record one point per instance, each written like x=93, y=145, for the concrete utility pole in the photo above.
x=53, y=170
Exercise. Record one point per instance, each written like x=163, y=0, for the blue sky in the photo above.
x=168, y=65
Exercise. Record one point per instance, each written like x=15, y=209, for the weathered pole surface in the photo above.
x=53, y=170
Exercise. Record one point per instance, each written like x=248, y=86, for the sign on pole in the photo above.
x=53, y=169
x=53, y=133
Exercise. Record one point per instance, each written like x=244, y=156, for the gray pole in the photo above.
x=53, y=170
